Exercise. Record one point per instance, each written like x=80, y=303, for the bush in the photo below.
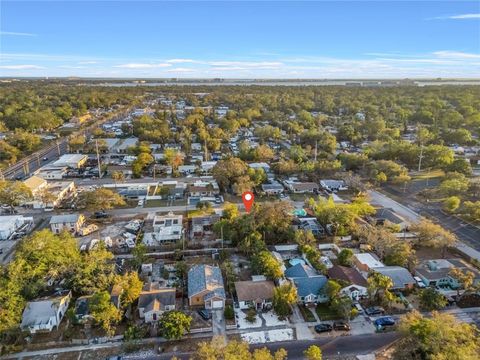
x=229, y=313
x=251, y=316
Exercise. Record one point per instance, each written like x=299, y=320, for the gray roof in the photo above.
x=205, y=277
x=62, y=219
x=155, y=297
x=310, y=285
x=400, y=276
x=299, y=271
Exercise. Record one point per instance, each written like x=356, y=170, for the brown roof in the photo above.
x=348, y=274
x=252, y=290
x=305, y=186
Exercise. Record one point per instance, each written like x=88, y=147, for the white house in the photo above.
x=68, y=222
x=11, y=223
x=154, y=300
x=44, y=315
x=166, y=229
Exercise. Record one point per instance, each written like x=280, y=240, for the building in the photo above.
x=273, y=188
x=255, y=294
x=401, y=277
x=309, y=224
x=203, y=189
x=14, y=224
x=205, y=287
x=301, y=187
x=383, y=215
x=357, y=287
x=366, y=262
x=68, y=222
x=333, y=185
x=310, y=286
x=73, y=161
x=164, y=229
x=82, y=312
x=46, y=314
x=154, y=300
x=202, y=226
x=437, y=272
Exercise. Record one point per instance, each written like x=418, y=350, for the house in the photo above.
x=357, y=287
x=301, y=187
x=333, y=185
x=203, y=226
x=203, y=189
x=73, y=161
x=36, y=184
x=122, y=146
x=309, y=224
x=437, y=272
x=68, y=222
x=308, y=283
x=383, y=215
x=154, y=300
x=207, y=166
x=205, y=287
x=164, y=229
x=44, y=315
x=272, y=188
x=14, y=224
x=255, y=294
x=401, y=277
x=366, y=262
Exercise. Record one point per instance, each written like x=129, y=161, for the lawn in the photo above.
x=423, y=175
x=307, y=314
x=325, y=313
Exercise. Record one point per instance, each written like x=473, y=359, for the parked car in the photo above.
x=384, y=321
x=323, y=328
x=419, y=281
x=205, y=314
x=374, y=310
x=341, y=325
x=45, y=158
x=100, y=215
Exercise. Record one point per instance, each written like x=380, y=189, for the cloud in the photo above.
x=21, y=67
x=142, y=66
x=181, y=70
x=248, y=64
x=181, y=61
x=456, y=55
x=13, y=33
x=87, y=62
x=457, y=17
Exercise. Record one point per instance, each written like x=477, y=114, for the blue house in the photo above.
x=310, y=285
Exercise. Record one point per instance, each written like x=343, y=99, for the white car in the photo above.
x=419, y=281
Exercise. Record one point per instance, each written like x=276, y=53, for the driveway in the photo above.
x=218, y=323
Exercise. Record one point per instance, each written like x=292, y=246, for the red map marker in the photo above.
x=247, y=198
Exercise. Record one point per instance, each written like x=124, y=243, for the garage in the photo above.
x=217, y=304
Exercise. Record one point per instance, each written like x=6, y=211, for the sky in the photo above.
x=240, y=39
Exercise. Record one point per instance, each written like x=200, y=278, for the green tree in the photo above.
x=431, y=299
x=131, y=286
x=451, y=204
x=118, y=176
x=100, y=199
x=345, y=257
x=284, y=297
x=268, y=265
x=432, y=235
x=174, y=324
x=104, y=312
x=14, y=193
x=439, y=337
x=313, y=353
x=379, y=287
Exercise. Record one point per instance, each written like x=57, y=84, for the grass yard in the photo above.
x=307, y=314
x=325, y=313
x=423, y=175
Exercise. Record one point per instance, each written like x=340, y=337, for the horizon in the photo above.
x=240, y=40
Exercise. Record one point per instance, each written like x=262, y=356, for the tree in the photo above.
x=432, y=235
x=345, y=257
x=104, y=312
x=174, y=324
x=100, y=199
x=268, y=265
x=173, y=158
x=378, y=288
x=139, y=253
x=343, y=306
x=313, y=353
x=451, y=204
x=131, y=286
x=14, y=193
x=465, y=279
x=439, y=337
x=118, y=176
x=227, y=171
x=47, y=197
x=332, y=289
x=431, y=299
x=284, y=297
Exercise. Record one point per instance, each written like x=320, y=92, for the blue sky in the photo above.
x=240, y=39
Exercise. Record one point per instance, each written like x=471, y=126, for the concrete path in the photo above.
x=301, y=327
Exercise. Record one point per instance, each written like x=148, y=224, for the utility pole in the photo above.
x=206, y=150
x=98, y=160
x=221, y=233
x=58, y=147
x=316, y=149
x=154, y=166
x=420, y=158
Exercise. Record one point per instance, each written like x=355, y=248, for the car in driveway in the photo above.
x=341, y=326
x=320, y=328
x=374, y=310
x=205, y=314
x=384, y=321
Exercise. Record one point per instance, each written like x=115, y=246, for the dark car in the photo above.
x=205, y=314
x=384, y=321
x=323, y=328
x=341, y=325
x=100, y=215
x=374, y=310
x=45, y=158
